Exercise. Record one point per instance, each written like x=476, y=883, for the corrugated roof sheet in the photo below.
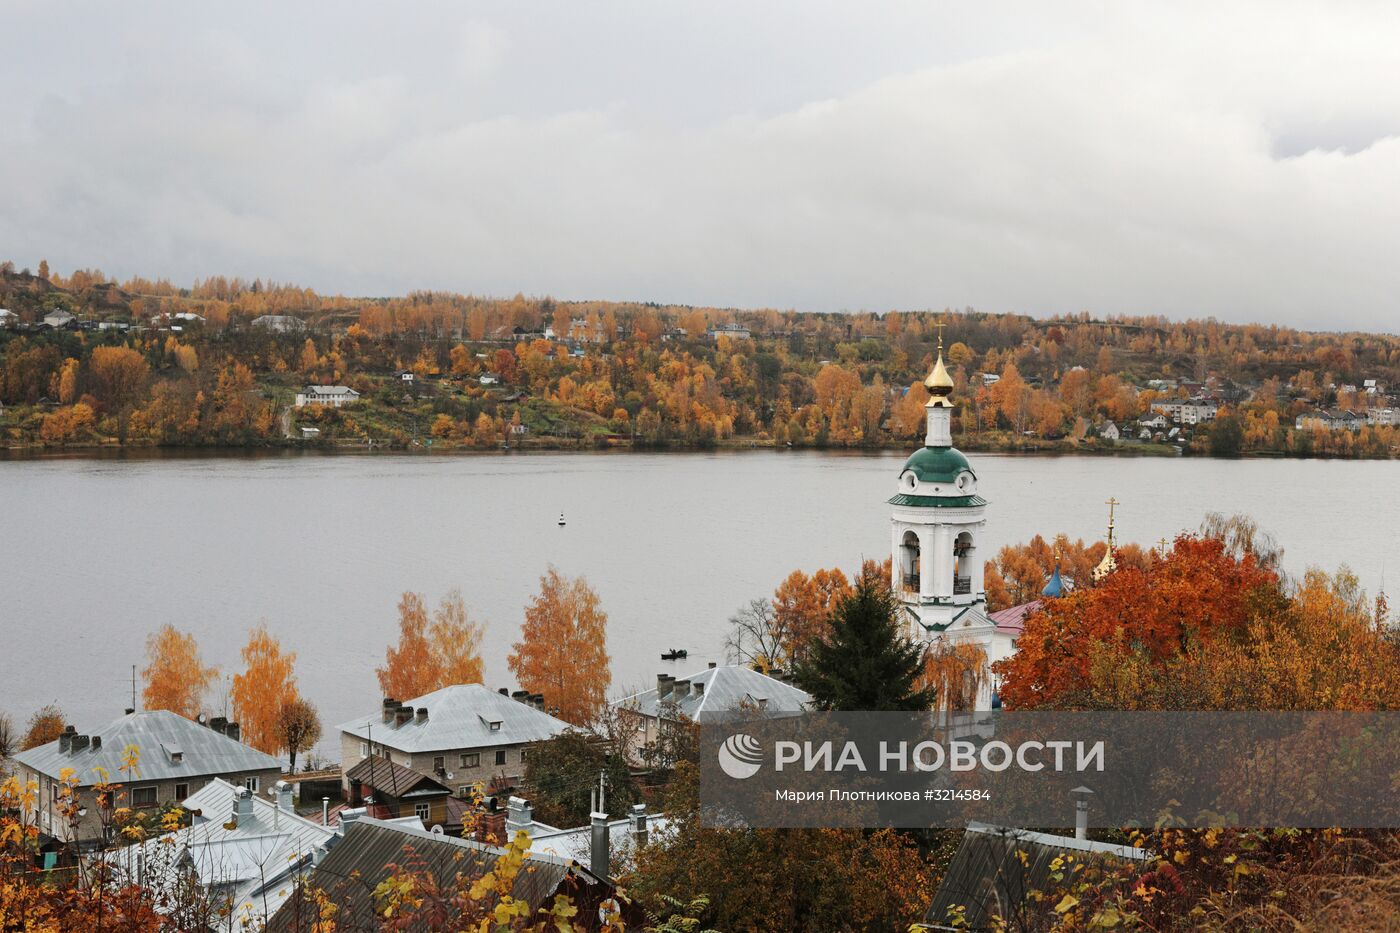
x=577, y=844
x=987, y=878
x=204, y=751
x=459, y=717
x=357, y=863
x=726, y=689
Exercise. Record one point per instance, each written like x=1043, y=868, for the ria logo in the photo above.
x=740, y=756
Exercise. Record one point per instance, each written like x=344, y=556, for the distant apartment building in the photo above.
x=457, y=736
x=733, y=331
x=1334, y=420
x=334, y=396
x=1187, y=411
x=175, y=757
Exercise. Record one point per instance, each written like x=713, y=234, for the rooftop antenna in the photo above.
x=133, y=686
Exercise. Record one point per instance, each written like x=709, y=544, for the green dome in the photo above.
x=937, y=464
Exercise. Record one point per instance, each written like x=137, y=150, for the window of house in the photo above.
x=522, y=754
x=181, y=792
x=421, y=811
x=251, y=782
x=143, y=796
x=471, y=761
x=439, y=763
x=500, y=756
x=495, y=727
x=464, y=790
x=364, y=749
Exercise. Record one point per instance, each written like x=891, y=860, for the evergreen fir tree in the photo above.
x=865, y=663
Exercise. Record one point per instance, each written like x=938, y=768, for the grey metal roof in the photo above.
x=459, y=717
x=577, y=844
x=249, y=863
x=153, y=732
x=726, y=689
x=357, y=863
x=988, y=878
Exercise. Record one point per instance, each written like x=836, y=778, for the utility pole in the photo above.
x=133, y=688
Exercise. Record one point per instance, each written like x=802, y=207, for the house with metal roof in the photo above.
x=372, y=849
x=244, y=851
x=461, y=735
x=710, y=695
x=391, y=791
x=173, y=758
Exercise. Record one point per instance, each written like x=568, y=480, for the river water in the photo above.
x=97, y=553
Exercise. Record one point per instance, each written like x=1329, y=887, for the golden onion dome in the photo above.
x=938, y=381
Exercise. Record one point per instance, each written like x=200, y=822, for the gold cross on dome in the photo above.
x=940, y=325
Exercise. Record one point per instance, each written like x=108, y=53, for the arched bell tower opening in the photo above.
x=909, y=563
x=964, y=560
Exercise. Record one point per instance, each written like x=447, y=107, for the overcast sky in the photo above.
x=1186, y=160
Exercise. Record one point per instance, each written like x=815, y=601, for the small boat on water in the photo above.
x=561, y=519
x=675, y=654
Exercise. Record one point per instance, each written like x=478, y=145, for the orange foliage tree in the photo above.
x=118, y=374
x=44, y=726
x=562, y=652
x=1193, y=595
x=266, y=685
x=431, y=654
x=802, y=607
x=176, y=678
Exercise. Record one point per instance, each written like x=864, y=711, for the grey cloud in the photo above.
x=1173, y=159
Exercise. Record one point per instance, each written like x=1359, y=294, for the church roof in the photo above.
x=1012, y=620
x=937, y=502
x=938, y=381
x=937, y=464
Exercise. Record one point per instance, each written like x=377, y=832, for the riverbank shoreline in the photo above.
x=115, y=452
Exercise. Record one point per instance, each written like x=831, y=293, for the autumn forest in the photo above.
x=86, y=361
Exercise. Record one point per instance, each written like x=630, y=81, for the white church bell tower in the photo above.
x=937, y=523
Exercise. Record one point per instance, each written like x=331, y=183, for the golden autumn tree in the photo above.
x=266, y=685
x=176, y=678
x=432, y=652
x=118, y=374
x=43, y=727
x=562, y=652
x=409, y=668
x=456, y=642
x=802, y=607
